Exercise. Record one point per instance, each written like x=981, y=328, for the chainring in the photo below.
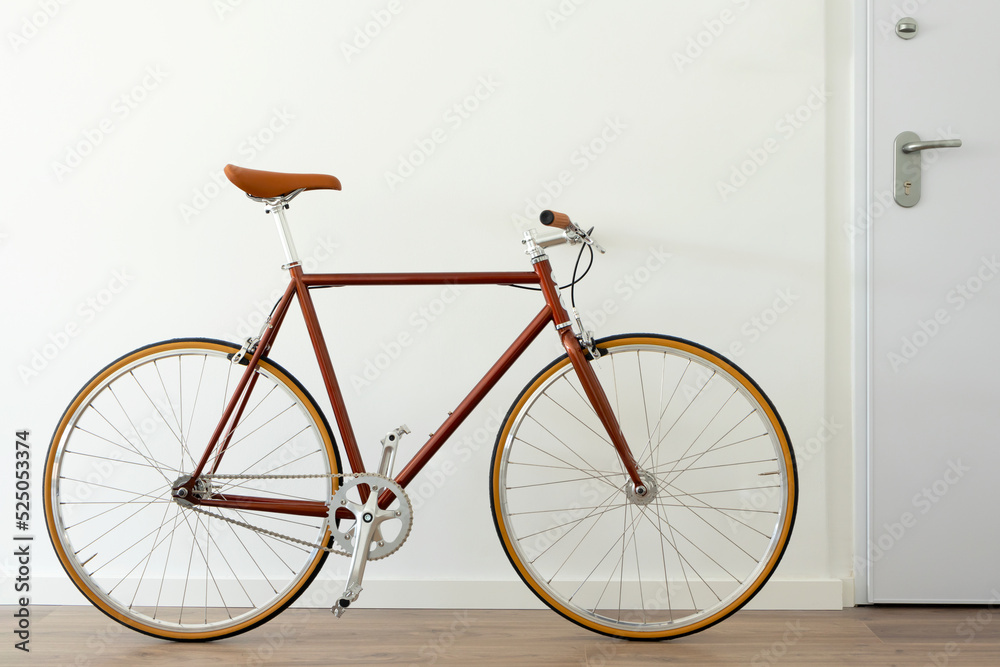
x=400, y=512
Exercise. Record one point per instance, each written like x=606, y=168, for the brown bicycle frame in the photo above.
x=299, y=287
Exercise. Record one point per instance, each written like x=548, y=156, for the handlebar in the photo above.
x=555, y=219
x=570, y=233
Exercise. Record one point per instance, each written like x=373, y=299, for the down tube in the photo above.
x=477, y=394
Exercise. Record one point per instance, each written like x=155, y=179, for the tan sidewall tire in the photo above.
x=69, y=415
x=736, y=373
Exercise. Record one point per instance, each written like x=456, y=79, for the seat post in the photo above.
x=277, y=211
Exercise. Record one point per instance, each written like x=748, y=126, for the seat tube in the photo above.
x=588, y=379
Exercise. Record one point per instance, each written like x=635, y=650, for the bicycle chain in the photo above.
x=271, y=533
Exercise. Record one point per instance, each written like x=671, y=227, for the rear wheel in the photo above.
x=150, y=562
x=714, y=454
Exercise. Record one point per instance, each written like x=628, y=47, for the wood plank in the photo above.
x=878, y=636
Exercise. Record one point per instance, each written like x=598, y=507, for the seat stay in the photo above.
x=241, y=392
x=237, y=417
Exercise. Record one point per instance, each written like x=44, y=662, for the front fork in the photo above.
x=580, y=351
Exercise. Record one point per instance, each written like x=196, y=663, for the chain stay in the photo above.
x=264, y=531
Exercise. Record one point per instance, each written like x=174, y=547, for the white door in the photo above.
x=934, y=524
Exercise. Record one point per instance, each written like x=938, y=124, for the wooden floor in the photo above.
x=924, y=636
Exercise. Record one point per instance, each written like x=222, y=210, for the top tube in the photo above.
x=449, y=278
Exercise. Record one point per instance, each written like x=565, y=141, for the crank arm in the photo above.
x=368, y=519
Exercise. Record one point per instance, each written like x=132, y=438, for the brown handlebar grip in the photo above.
x=555, y=219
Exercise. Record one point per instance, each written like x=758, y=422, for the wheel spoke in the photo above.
x=148, y=456
x=698, y=544
x=597, y=477
x=117, y=505
x=163, y=568
x=595, y=513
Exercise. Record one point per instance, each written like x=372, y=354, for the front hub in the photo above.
x=643, y=494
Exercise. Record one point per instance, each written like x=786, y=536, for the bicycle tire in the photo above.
x=123, y=440
x=719, y=519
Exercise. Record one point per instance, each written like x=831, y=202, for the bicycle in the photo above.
x=641, y=485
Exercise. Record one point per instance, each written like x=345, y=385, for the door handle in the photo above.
x=915, y=146
x=906, y=165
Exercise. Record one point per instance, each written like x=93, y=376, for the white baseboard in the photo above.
x=779, y=594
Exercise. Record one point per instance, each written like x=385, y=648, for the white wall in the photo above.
x=686, y=94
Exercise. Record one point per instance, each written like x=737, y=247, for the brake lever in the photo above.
x=589, y=241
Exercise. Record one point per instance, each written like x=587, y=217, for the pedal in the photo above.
x=350, y=595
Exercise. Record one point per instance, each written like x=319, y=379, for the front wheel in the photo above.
x=722, y=490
